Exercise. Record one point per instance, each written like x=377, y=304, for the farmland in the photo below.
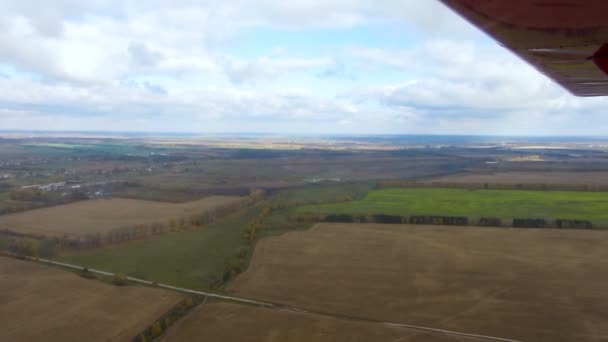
x=193, y=258
x=216, y=322
x=189, y=259
x=41, y=303
x=492, y=281
x=482, y=280
x=505, y=204
x=103, y=215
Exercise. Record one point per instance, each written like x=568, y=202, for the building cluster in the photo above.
x=68, y=185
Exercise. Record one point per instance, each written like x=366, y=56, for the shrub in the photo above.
x=490, y=222
x=440, y=220
x=48, y=248
x=120, y=279
x=382, y=218
x=86, y=274
x=573, y=224
x=343, y=218
x=157, y=329
x=189, y=302
x=167, y=322
x=529, y=223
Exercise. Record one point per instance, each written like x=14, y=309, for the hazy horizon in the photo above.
x=472, y=138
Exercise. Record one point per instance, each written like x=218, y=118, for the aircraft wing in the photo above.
x=567, y=40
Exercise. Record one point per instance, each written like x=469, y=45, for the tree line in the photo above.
x=443, y=220
x=493, y=186
x=143, y=231
x=161, y=325
x=33, y=198
x=41, y=246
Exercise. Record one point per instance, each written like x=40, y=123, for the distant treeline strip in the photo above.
x=494, y=186
x=443, y=220
x=28, y=199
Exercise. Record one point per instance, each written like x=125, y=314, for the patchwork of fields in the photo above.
x=41, y=303
x=103, y=215
x=504, y=204
x=528, y=284
x=514, y=283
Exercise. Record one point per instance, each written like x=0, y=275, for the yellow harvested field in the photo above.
x=239, y=323
x=103, y=215
x=525, y=284
x=41, y=303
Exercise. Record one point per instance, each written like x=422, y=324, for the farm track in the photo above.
x=281, y=307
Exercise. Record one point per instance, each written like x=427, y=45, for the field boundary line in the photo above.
x=270, y=305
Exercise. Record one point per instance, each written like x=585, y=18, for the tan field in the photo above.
x=103, y=215
x=40, y=303
x=239, y=323
x=530, y=177
x=531, y=285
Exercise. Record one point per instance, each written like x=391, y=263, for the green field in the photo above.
x=505, y=204
x=79, y=149
x=186, y=259
x=326, y=192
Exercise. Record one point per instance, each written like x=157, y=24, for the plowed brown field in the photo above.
x=532, y=285
x=239, y=323
x=40, y=303
x=102, y=215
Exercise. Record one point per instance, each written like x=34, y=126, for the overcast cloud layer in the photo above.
x=302, y=66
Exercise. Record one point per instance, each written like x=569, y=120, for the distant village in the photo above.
x=92, y=190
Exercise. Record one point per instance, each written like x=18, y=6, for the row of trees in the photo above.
x=237, y=264
x=573, y=224
x=48, y=246
x=442, y=220
x=29, y=195
x=494, y=186
x=43, y=248
x=32, y=198
x=156, y=329
x=142, y=231
x=382, y=218
x=529, y=223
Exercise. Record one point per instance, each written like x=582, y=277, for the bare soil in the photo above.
x=526, y=284
x=40, y=303
x=239, y=323
x=103, y=215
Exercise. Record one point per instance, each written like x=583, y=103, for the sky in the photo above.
x=286, y=67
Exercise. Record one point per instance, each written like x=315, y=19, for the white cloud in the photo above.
x=264, y=68
x=166, y=65
x=91, y=41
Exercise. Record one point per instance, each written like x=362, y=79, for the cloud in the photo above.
x=249, y=71
x=142, y=56
x=337, y=70
x=92, y=41
x=186, y=65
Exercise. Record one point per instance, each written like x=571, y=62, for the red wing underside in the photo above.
x=567, y=40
